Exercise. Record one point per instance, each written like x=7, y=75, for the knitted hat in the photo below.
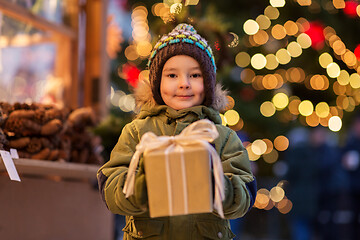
x=183, y=40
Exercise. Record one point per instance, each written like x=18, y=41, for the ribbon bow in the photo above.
x=200, y=132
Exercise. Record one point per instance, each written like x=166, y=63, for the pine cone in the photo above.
x=34, y=145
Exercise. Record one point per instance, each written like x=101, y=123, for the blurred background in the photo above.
x=291, y=67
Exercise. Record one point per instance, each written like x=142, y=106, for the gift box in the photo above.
x=178, y=182
x=178, y=173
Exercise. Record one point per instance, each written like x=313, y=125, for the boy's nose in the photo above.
x=184, y=82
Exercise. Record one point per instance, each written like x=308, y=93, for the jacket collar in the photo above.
x=185, y=115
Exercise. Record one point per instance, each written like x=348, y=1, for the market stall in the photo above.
x=53, y=83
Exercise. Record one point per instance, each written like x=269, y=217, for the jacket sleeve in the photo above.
x=240, y=184
x=112, y=175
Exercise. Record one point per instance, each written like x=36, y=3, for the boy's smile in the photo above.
x=182, y=83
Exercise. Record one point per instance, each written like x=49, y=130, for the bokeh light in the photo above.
x=271, y=12
x=294, y=49
x=263, y=21
x=242, y=59
x=281, y=143
x=258, y=61
x=277, y=3
x=333, y=70
x=267, y=109
x=306, y=108
x=335, y=123
x=271, y=157
x=251, y=27
x=277, y=194
x=283, y=56
x=343, y=78
x=258, y=147
x=304, y=40
x=325, y=59
x=280, y=100
x=322, y=109
x=232, y=117
x=271, y=62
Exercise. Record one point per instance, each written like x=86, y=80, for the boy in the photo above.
x=182, y=90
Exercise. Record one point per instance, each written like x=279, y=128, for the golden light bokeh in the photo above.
x=143, y=48
x=251, y=27
x=242, y=59
x=294, y=105
x=312, y=120
x=270, y=81
x=271, y=157
x=354, y=80
x=339, y=4
x=319, y=82
x=291, y=28
x=261, y=37
x=278, y=32
x=295, y=74
x=284, y=206
x=131, y=53
x=277, y=3
x=232, y=117
x=258, y=147
x=343, y=78
x=267, y=109
x=271, y=12
x=304, y=2
x=294, y=49
x=269, y=145
x=262, y=198
x=349, y=58
x=304, y=40
x=144, y=75
x=281, y=143
x=339, y=47
x=271, y=62
x=333, y=70
x=251, y=154
x=325, y=59
x=306, y=108
x=247, y=75
x=263, y=21
x=258, y=61
x=280, y=100
x=277, y=194
x=339, y=89
x=283, y=56
x=322, y=109
x=191, y=2
x=335, y=123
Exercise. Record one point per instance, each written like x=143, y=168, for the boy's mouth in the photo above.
x=184, y=96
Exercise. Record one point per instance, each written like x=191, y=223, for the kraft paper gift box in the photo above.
x=180, y=182
x=177, y=170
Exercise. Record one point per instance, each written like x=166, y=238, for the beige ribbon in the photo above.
x=200, y=132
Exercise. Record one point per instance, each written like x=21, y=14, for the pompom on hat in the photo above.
x=183, y=40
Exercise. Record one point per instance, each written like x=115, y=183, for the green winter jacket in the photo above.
x=240, y=185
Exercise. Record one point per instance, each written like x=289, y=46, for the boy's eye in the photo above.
x=196, y=75
x=171, y=75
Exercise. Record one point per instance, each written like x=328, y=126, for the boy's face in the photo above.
x=182, y=83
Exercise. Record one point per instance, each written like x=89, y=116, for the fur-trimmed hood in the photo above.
x=143, y=95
